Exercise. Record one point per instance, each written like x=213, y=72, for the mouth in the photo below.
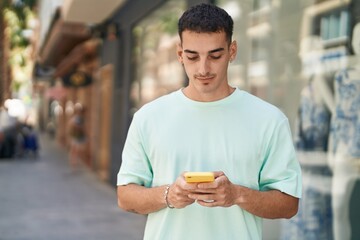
x=205, y=78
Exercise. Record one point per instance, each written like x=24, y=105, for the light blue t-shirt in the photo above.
x=241, y=135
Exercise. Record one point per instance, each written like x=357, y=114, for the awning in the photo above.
x=87, y=50
x=89, y=11
x=62, y=38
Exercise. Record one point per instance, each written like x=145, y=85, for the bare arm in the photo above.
x=139, y=199
x=268, y=204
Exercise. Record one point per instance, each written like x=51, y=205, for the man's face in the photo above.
x=205, y=57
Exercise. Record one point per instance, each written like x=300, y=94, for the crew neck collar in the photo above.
x=224, y=100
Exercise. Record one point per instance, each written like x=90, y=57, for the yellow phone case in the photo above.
x=195, y=177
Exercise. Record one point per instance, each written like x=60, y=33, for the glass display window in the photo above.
x=157, y=70
x=299, y=56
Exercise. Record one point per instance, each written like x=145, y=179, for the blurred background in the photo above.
x=110, y=57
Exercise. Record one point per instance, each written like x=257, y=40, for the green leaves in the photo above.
x=18, y=15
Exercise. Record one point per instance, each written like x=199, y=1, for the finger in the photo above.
x=205, y=186
x=182, y=177
x=207, y=203
x=181, y=199
x=190, y=186
x=183, y=184
x=214, y=184
x=204, y=197
x=218, y=174
x=204, y=190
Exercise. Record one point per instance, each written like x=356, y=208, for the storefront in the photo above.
x=290, y=53
x=157, y=70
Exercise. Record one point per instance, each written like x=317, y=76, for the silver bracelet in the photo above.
x=166, y=196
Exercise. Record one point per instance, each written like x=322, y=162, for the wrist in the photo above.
x=166, y=196
x=239, y=195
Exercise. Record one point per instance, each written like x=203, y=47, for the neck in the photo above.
x=195, y=95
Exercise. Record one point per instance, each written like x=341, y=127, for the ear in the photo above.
x=179, y=52
x=233, y=50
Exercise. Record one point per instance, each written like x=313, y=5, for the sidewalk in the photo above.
x=42, y=199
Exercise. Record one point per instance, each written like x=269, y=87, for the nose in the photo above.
x=204, y=67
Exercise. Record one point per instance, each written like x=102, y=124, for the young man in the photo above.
x=208, y=126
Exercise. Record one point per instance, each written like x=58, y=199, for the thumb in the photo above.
x=219, y=174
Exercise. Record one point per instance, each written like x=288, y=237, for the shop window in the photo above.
x=259, y=4
x=156, y=70
x=333, y=27
x=291, y=53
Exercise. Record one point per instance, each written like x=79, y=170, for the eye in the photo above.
x=192, y=58
x=215, y=57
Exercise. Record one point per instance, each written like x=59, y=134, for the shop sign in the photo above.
x=77, y=79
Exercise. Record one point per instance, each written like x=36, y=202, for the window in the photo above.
x=157, y=71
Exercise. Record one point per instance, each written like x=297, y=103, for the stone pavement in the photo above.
x=42, y=199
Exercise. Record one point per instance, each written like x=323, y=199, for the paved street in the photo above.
x=42, y=199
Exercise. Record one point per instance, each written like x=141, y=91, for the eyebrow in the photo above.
x=211, y=51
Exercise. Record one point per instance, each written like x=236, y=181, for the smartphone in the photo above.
x=196, y=177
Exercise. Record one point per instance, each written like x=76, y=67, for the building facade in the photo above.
x=285, y=47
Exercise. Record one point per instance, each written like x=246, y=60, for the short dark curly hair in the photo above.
x=206, y=18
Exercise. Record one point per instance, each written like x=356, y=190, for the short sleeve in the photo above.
x=135, y=166
x=281, y=169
